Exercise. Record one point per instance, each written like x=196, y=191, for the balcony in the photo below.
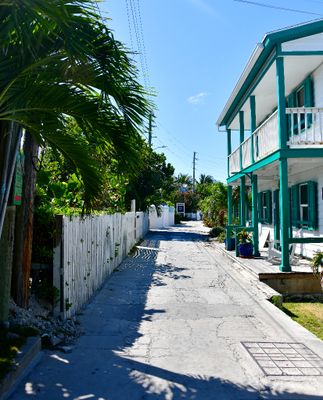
x=305, y=129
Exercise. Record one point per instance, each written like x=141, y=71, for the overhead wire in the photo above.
x=256, y=3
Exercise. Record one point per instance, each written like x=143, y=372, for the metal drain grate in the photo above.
x=289, y=359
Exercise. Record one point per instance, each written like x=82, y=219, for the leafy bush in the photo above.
x=221, y=237
x=215, y=232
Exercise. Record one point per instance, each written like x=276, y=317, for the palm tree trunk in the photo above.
x=6, y=248
x=20, y=285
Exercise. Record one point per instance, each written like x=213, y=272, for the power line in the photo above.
x=255, y=3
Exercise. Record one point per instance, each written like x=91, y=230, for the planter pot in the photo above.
x=245, y=250
x=231, y=244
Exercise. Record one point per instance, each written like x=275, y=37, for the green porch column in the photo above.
x=252, y=124
x=283, y=167
x=243, y=201
x=254, y=188
x=228, y=232
x=229, y=147
x=241, y=123
x=230, y=205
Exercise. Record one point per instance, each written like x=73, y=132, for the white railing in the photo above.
x=234, y=161
x=305, y=126
x=246, y=152
x=265, y=138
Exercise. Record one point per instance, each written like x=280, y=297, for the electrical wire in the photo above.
x=255, y=3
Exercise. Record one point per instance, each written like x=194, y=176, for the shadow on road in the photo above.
x=107, y=364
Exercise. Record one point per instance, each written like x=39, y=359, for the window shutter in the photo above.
x=308, y=89
x=269, y=207
x=312, y=204
x=295, y=205
x=290, y=104
x=260, y=208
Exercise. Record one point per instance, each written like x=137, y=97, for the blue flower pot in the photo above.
x=245, y=250
x=231, y=244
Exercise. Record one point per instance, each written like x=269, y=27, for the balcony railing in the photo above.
x=305, y=126
x=305, y=129
x=234, y=161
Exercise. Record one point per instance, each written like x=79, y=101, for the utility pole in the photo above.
x=194, y=161
x=150, y=129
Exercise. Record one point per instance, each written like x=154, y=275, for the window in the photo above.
x=304, y=205
x=303, y=196
x=302, y=96
x=265, y=207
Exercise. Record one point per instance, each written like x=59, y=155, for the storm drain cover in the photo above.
x=289, y=359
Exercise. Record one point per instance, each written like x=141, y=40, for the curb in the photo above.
x=25, y=360
x=267, y=290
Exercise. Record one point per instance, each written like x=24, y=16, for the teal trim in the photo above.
x=241, y=123
x=253, y=125
x=276, y=215
x=265, y=207
x=258, y=165
x=254, y=188
x=293, y=33
x=270, y=41
x=302, y=153
x=243, y=201
x=284, y=215
x=229, y=245
x=313, y=239
x=301, y=53
x=229, y=191
x=281, y=104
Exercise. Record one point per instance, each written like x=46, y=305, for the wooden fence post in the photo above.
x=58, y=271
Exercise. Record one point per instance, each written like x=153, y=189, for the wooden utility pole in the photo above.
x=150, y=129
x=194, y=164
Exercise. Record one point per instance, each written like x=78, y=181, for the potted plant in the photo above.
x=317, y=266
x=245, y=245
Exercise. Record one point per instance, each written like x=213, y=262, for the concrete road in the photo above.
x=180, y=321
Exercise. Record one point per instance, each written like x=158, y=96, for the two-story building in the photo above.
x=277, y=110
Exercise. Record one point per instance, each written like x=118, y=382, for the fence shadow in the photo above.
x=107, y=364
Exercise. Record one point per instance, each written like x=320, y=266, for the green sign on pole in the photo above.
x=17, y=189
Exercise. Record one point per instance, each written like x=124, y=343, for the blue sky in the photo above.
x=195, y=51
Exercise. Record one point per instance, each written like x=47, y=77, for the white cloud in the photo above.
x=198, y=98
x=203, y=5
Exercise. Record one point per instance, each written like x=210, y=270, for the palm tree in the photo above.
x=184, y=180
x=59, y=61
x=205, y=179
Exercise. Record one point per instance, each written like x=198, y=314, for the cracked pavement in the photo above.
x=169, y=324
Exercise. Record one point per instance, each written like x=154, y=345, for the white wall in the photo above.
x=318, y=86
x=165, y=219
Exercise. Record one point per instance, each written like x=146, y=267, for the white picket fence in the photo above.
x=86, y=252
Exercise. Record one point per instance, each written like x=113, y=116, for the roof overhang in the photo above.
x=264, y=53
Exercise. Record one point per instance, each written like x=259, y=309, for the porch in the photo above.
x=305, y=131
x=300, y=281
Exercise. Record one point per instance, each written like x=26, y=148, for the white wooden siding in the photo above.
x=318, y=86
x=88, y=250
x=308, y=43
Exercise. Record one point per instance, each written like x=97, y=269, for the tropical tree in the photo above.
x=59, y=62
x=214, y=205
x=154, y=182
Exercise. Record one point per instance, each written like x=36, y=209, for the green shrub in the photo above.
x=221, y=237
x=215, y=232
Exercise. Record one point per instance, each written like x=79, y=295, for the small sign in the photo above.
x=18, y=184
x=180, y=208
